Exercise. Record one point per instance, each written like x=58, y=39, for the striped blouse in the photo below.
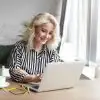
x=31, y=61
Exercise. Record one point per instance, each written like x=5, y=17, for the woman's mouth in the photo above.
x=42, y=38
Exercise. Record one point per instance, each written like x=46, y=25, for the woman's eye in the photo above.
x=50, y=33
x=43, y=30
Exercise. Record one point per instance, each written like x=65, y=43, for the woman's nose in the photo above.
x=47, y=35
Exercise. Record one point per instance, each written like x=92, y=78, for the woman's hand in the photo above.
x=36, y=78
x=32, y=78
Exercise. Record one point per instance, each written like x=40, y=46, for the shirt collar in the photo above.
x=30, y=46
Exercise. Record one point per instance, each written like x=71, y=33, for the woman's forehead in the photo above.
x=47, y=26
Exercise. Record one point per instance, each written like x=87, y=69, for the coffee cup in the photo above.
x=2, y=80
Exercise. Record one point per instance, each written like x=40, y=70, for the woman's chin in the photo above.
x=43, y=42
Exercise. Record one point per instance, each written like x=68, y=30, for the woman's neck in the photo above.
x=37, y=46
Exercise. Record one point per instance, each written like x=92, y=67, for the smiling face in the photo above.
x=44, y=33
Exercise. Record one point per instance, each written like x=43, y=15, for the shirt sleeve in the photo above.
x=15, y=62
x=55, y=57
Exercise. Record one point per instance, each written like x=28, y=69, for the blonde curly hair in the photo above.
x=42, y=18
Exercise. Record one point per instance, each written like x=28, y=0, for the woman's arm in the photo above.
x=27, y=77
x=16, y=73
x=55, y=57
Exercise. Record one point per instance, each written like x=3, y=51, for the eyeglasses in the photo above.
x=22, y=89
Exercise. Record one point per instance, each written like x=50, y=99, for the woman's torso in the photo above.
x=33, y=62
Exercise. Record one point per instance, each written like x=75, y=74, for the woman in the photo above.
x=37, y=48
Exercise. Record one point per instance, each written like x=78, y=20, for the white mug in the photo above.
x=2, y=71
x=2, y=80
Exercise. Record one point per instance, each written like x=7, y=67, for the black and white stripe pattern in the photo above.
x=29, y=60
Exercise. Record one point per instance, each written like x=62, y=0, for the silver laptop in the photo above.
x=59, y=75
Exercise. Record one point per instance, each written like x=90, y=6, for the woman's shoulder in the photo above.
x=50, y=50
x=20, y=44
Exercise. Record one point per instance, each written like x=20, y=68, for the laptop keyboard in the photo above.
x=35, y=86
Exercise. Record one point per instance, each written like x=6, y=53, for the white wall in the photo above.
x=14, y=12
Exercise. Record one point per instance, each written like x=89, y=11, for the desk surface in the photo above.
x=84, y=90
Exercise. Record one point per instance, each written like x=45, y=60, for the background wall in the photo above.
x=14, y=12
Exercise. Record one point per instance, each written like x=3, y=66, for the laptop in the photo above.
x=59, y=75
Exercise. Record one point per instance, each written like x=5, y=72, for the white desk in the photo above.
x=84, y=90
